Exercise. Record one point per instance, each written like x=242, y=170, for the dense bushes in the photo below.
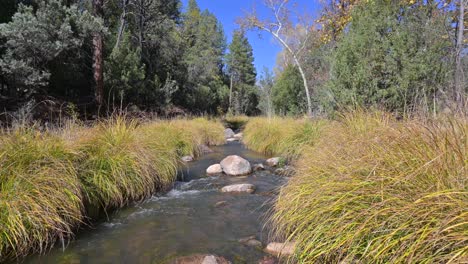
x=375, y=190
x=51, y=181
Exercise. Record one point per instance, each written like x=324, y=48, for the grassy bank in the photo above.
x=51, y=182
x=371, y=189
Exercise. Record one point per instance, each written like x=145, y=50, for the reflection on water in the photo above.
x=182, y=222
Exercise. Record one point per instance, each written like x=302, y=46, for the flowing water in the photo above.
x=183, y=221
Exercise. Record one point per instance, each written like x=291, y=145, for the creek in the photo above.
x=193, y=218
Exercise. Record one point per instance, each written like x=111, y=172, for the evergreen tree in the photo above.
x=206, y=42
x=394, y=55
x=242, y=74
x=288, y=93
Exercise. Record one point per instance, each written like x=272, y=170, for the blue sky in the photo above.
x=264, y=47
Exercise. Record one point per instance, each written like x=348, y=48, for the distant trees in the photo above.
x=242, y=74
x=288, y=92
x=292, y=37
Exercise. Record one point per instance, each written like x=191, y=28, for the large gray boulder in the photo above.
x=236, y=166
x=228, y=133
x=239, y=188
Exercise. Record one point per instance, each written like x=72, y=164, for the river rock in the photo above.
x=273, y=162
x=239, y=188
x=239, y=136
x=187, y=158
x=235, y=166
x=220, y=204
x=201, y=259
x=231, y=139
x=258, y=167
x=281, y=249
x=250, y=241
x=268, y=260
x=214, y=169
x=204, y=149
x=228, y=133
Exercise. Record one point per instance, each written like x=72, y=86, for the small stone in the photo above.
x=204, y=149
x=228, y=133
x=187, y=158
x=273, y=162
x=236, y=166
x=239, y=188
x=200, y=259
x=281, y=249
x=231, y=139
x=258, y=167
x=220, y=204
x=267, y=260
x=214, y=169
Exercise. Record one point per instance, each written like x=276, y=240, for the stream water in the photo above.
x=183, y=221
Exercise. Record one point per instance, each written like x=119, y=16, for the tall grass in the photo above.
x=281, y=136
x=40, y=195
x=376, y=190
x=51, y=182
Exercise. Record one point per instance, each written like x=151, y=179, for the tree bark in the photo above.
x=230, y=95
x=459, y=78
x=98, y=60
x=123, y=17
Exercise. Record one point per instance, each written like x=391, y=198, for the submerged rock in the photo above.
x=187, y=158
x=239, y=188
x=204, y=149
x=273, y=162
x=258, y=167
x=228, y=133
x=267, y=260
x=250, y=241
x=201, y=259
x=281, y=249
x=214, y=169
x=236, y=166
x=220, y=204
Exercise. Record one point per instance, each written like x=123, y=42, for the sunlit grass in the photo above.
x=53, y=181
x=376, y=190
x=281, y=136
x=40, y=195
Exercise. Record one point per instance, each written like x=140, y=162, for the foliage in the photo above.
x=265, y=87
x=57, y=31
x=288, y=93
x=394, y=56
x=242, y=72
x=375, y=190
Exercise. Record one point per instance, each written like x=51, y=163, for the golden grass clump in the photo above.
x=114, y=168
x=40, y=195
x=281, y=136
x=50, y=182
x=377, y=190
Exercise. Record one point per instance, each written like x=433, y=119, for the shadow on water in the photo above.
x=183, y=221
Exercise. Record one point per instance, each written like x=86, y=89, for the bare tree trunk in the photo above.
x=459, y=78
x=230, y=96
x=98, y=59
x=123, y=17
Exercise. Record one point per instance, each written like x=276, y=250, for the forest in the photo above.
x=140, y=131
x=93, y=57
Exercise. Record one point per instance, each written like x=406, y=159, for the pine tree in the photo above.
x=242, y=74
